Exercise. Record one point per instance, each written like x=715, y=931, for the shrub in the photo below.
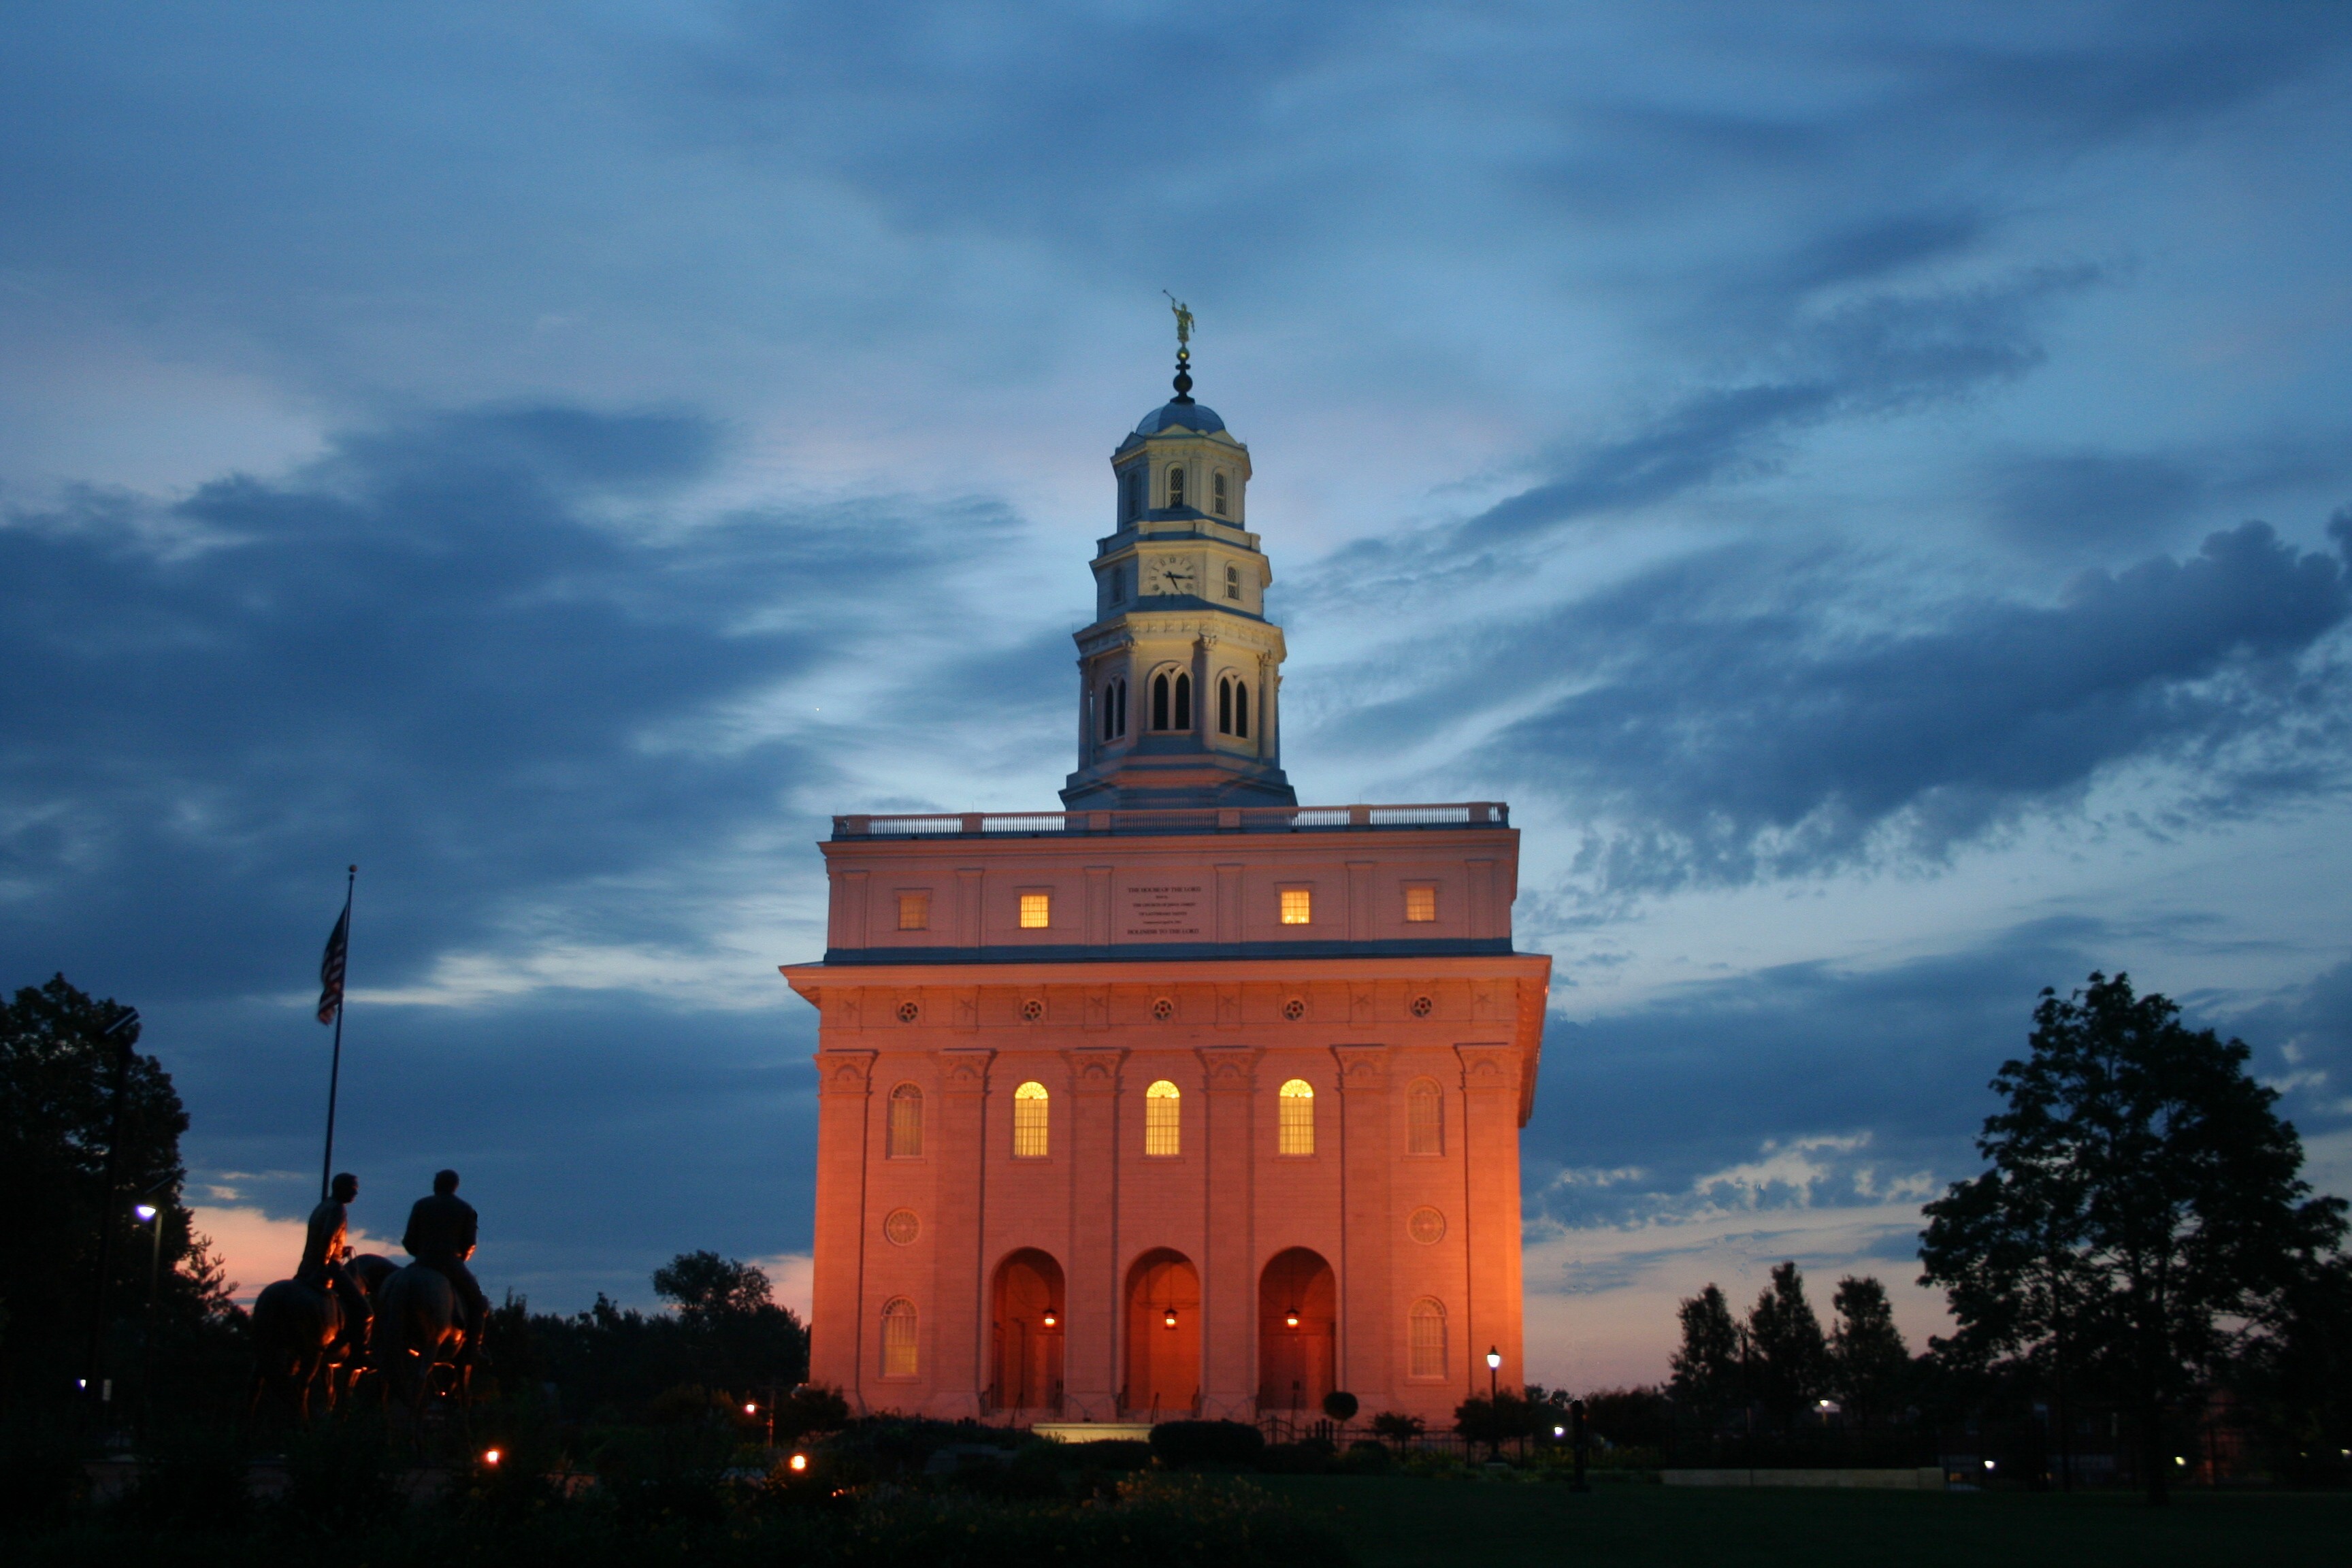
x=1397, y=1427
x=193, y=1486
x=340, y=1476
x=1178, y=1443
x=41, y=1479
x=1342, y=1406
x=1365, y=1457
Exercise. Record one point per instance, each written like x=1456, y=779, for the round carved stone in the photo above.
x=1164, y=1008
x=1295, y=1009
x=1032, y=1010
x=901, y=1226
x=1425, y=1225
x=909, y=1010
x=1422, y=1006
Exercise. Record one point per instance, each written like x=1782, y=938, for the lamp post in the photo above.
x=151, y=1218
x=1493, y=1402
x=117, y=1035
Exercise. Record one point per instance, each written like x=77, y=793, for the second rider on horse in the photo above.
x=440, y=1236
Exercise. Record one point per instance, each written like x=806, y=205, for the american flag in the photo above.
x=331, y=970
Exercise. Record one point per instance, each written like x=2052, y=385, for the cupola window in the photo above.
x=1175, y=486
x=1217, y=493
x=1233, y=583
x=1132, y=495
x=1113, y=708
x=1171, y=701
x=1232, y=707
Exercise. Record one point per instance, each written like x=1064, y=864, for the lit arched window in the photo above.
x=1183, y=703
x=1162, y=1119
x=1029, y=1122
x=1233, y=583
x=1426, y=1339
x=1241, y=709
x=1175, y=486
x=905, y=1135
x=1217, y=493
x=1226, y=705
x=1295, y=1134
x=1425, y=1116
x=1160, y=703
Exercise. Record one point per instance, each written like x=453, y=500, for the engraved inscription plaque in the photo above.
x=1164, y=910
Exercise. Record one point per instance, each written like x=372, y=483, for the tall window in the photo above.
x=1226, y=705
x=1426, y=1340
x=1233, y=583
x=1241, y=709
x=1421, y=901
x=1113, y=708
x=906, y=1140
x=1029, y=1122
x=1183, y=703
x=1425, y=1116
x=1217, y=493
x=1037, y=911
x=1298, y=906
x=1134, y=496
x=1160, y=703
x=1163, y=1123
x=898, y=1337
x=1175, y=486
x=1295, y=1134
x=914, y=912
x=1119, y=584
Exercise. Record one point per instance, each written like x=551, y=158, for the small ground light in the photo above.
x=1559, y=1431
x=800, y=1461
x=2178, y=1460
x=490, y=1457
x=750, y=1410
x=1988, y=1463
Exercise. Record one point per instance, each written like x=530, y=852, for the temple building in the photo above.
x=1185, y=1099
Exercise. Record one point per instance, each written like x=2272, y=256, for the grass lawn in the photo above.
x=1407, y=1522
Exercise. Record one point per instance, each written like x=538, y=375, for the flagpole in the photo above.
x=335, y=1070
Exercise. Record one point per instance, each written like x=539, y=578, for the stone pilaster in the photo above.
x=1229, y=1264
x=838, y=1317
x=1090, y=1346
x=958, y=1340
x=1367, y=1239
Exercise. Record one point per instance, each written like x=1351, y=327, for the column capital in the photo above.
x=1094, y=1070
x=1364, y=1068
x=964, y=1069
x=1489, y=1066
x=844, y=1072
x=1228, y=1069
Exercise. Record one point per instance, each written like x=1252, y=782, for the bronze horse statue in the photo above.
x=297, y=1333
x=419, y=1329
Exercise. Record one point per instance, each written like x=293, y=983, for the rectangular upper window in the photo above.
x=1298, y=906
x=1037, y=911
x=914, y=911
x=1420, y=901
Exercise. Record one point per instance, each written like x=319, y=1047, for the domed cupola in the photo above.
x=1180, y=675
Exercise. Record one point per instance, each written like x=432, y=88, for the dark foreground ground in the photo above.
x=1402, y=1523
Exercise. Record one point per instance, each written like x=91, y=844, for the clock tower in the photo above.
x=1180, y=675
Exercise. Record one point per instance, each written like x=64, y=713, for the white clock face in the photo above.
x=1171, y=577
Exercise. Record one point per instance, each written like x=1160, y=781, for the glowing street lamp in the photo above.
x=151, y=1217
x=1290, y=1319
x=1170, y=1317
x=1051, y=1318
x=491, y=1456
x=799, y=1463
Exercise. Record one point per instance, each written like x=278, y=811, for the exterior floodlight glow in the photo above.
x=800, y=1461
x=490, y=1457
x=1050, y=1318
x=1170, y=1318
x=1290, y=1319
x=1559, y=1431
x=750, y=1410
x=146, y=1212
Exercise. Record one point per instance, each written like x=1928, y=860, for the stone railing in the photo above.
x=1177, y=819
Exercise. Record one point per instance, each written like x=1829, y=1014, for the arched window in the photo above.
x=1226, y=705
x=1113, y=708
x=1217, y=493
x=1424, y=1118
x=898, y=1337
x=1133, y=499
x=1029, y=1122
x=1295, y=1134
x=1163, y=1126
x=906, y=1136
x=1233, y=583
x=1160, y=703
x=1175, y=486
x=1183, y=703
x=1241, y=709
x=1425, y=1347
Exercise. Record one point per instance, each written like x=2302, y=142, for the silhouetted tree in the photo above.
x=57, y=1121
x=1789, y=1354
x=1630, y=1418
x=1868, y=1362
x=2142, y=1189
x=728, y=1335
x=1707, y=1379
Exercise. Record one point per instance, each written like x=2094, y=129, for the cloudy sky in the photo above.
x=1868, y=484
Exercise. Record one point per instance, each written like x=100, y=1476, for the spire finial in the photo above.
x=1183, y=349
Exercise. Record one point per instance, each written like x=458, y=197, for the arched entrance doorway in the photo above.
x=1297, y=1330
x=1163, y=1336
x=1029, y=1306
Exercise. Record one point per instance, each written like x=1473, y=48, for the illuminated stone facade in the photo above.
x=1186, y=1099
